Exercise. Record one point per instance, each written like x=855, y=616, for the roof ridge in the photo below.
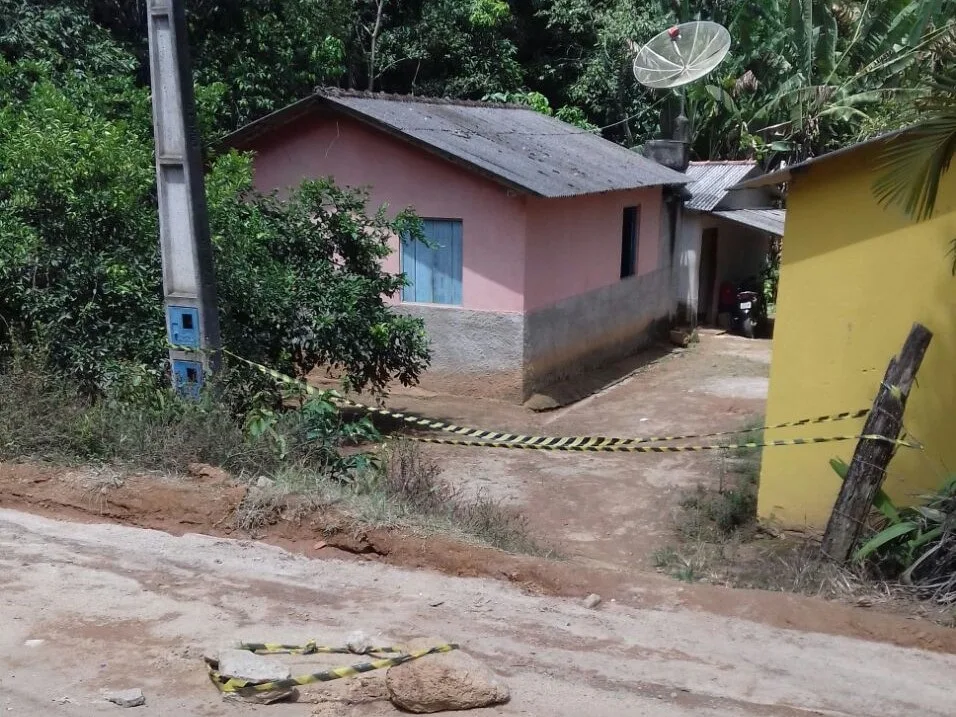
x=417, y=99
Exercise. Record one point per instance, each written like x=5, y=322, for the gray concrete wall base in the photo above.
x=595, y=328
x=509, y=356
x=474, y=353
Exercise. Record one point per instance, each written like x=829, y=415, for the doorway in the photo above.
x=707, y=274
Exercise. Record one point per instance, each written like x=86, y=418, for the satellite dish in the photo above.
x=682, y=54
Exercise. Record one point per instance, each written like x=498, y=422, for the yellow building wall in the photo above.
x=854, y=277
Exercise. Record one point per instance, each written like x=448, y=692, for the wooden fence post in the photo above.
x=867, y=470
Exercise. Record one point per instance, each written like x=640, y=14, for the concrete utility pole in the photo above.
x=189, y=281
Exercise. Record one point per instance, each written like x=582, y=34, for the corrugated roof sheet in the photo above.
x=515, y=145
x=768, y=220
x=709, y=181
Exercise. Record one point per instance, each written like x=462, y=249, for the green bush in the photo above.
x=141, y=423
x=300, y=280
x=914, y=544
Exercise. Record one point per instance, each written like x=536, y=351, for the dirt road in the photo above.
x=123, y=607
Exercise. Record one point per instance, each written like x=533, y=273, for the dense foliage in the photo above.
x=802, y=75
x=301, y=281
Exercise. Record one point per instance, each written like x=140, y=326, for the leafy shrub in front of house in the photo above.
x=300, y=281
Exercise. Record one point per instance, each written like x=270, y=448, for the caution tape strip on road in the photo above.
x=495, y=439
x=245, y=687
x=310, y=648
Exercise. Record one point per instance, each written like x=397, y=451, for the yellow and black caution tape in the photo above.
x=247, y=688
x=310, y=648
x=575, y=442
x=631, y=448
x=495, y=439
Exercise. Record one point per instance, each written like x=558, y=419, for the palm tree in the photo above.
x=913, y=165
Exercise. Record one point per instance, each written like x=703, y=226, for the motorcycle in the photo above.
x=742, y=303
x=745, y=312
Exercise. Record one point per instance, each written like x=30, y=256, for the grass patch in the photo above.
x=302, y=462
x=401, y=488
x=43, y=417
x=731, y=510
x=719, y=541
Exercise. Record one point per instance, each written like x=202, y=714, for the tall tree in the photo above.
x=835, y=65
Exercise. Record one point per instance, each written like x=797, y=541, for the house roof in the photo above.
x=511, y=144
x=710, y=181
x=768, y=220
x=785, y=174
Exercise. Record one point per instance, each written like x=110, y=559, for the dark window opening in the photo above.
x=187, y=321
x=192, y=375
x=629, y=241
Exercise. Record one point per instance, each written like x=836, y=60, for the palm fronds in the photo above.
x=913, y=164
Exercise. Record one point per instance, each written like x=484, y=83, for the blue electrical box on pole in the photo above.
x=189, y=282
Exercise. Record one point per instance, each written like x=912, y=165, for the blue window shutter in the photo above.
x=434, y=271
x=408, y=267
x=446, y=279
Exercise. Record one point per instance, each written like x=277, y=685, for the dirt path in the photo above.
x=206, y=506
x=611, y=510
x=118, y=607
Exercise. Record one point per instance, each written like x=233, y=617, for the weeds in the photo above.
x=409, y=488
x=914, y=544
x=719, y=538
x=721, y=542
x=732, y=509
x=311, y=458
x=43, y=417
x=405, y=489
x=268, y=504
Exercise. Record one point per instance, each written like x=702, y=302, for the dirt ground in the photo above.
x=125, y=605
x=612, y=510
x=119, y=607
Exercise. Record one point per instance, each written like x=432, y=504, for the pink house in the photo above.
x=550, y=247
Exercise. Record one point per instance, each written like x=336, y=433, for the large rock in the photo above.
x=445, y=681
x=246, y=665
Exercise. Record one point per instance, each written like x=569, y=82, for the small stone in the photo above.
x=264, y=482
x=246, y=665
x=681, y=337
x=444, y=681
x=33, y=643
x=264, y=698
x=358, y=642
x=321, y=544
x=204, y=470
x=592, y=601
x=125, y=698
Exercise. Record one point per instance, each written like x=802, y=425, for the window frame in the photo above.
x=630, y=241
x=455, y=279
